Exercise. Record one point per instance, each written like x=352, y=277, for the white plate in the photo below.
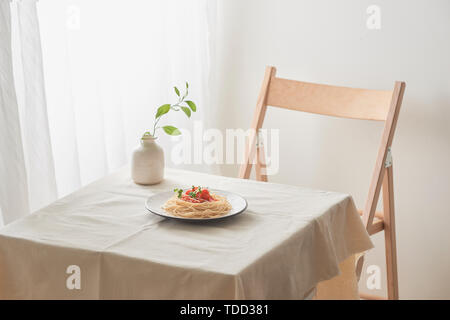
x=155, y=202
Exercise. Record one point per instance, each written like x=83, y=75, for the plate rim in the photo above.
x=198, y=219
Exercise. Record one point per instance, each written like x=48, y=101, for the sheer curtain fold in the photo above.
x=30, y=90
x=108, y=65
x=14, y=201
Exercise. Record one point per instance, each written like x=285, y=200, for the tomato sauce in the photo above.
x=196, y=195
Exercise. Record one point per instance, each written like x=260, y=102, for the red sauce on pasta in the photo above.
x=197, y=195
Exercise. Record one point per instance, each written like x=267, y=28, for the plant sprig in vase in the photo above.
x=187, y=106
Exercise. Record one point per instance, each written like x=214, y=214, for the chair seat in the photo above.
x=378, y=222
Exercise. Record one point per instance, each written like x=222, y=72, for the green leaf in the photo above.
x=172, y=131
x=191, y=105
x=179, y=191
x=162, y=110
x=187, y=111
x=177, y=91
x=187, y=85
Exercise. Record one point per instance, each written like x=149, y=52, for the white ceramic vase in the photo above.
x=147, y=164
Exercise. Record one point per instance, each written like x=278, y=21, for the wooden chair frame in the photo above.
x=344, y=102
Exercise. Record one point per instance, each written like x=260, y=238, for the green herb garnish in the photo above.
x=179, y=191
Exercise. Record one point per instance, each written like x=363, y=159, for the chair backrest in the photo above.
x=329, y=100
x=365, y=104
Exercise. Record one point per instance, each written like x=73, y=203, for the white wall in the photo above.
x=328, y=42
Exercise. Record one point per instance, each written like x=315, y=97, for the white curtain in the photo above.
x=107, y=65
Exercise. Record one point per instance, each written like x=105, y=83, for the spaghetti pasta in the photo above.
x=192, y=205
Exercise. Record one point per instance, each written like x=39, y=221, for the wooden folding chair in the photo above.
x=347, y=103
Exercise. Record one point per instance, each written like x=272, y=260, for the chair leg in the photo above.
x=260, y=167
x=359, y=267
x=389, y=235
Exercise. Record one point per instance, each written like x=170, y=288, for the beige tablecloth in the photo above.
x=288, y=240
